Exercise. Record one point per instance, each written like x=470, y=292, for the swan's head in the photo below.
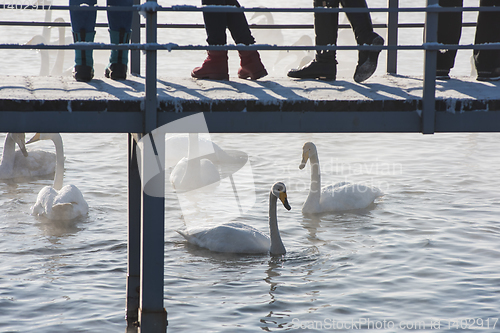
x=279, y=191
x=308, y=150
x=19, y=138
x=43, y=136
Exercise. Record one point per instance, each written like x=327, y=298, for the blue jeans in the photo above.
x=86, y=19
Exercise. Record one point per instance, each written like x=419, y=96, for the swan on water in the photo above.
x=177, y=147
x=339, y=197
x=193, y=172
x=12, y=159
x=57, y=202
x=237, y=237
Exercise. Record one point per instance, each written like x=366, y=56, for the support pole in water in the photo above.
x=430, y=66
x=134, y=234
x=152, y=314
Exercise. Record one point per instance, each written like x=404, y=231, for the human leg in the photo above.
x=324, y=66
x=362, y=26
x=83, y=29
x=120, y=24
x=250, y=63
x=215, y=66
x=449, y=32
x=488, y=31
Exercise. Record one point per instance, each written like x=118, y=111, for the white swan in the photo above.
x=339, y=197
x=236, y=237
x=58, y=202
x=193, y=172
x=11, y=159
x=177, y=148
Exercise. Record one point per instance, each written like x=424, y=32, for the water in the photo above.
x=426, y=251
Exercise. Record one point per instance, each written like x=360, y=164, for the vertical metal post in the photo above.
x=150, y=89
x=430, y=63
x=134, y=234
x=152, y=315
x=135, y=55
x=392, y=37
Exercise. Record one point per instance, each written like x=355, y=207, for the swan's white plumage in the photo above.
x=58, y=202
x=194, y=172
x=237, y=237
x=177, y=147
x=339, y=197
x=10, y=164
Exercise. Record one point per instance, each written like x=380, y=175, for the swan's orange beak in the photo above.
x=305, y=157
x=284, y=200
x=35, y=138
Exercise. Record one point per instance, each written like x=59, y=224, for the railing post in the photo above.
x=135, y=55
x=392, y=37
x=152, y=315
x=430, y=63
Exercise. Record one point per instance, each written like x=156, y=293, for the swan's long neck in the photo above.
x=9, y=149
x=277, y=247
x=59, y=176
x=315, y=175
x=193, y=164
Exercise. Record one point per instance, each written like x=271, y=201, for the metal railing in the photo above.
x=150, y=10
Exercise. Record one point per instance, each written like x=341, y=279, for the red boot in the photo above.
x=251, y=66
x=214, y=67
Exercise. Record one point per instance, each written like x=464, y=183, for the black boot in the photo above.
x=324, y=66
x=316, y=70
x=83, y=70
x=367, y=61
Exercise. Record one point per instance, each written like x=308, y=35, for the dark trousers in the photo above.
x=326, y=24
x=216, y=24
x=487, y=31
x=86, y=19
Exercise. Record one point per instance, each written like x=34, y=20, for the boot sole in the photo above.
x=218, y=77
x=319, y=77
x=255, y=76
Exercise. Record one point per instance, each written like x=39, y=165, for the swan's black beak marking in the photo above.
x=284, y=200
x=35, y=138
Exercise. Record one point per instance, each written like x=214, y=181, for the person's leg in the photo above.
x=362, y=26
x=215, y=66
x=83, y=29
x=250, y=64
x=120, y=24
x=449, y=32
x=488, y=31
x=324, y=66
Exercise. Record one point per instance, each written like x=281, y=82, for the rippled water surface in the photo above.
x=426, y=253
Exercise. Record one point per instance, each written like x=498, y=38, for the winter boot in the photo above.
x=214, y=67
x=367, y=61
x=316, y=69
x=84, y=63
x=118, y=60
x=251, y=65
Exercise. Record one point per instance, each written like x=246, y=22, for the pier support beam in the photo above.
x=430, y=65
x=134, y=235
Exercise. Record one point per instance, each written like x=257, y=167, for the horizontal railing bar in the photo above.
x=187, y=8
x=264, y=47
x=202, y=26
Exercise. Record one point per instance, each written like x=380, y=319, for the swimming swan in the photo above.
x=12, y=159
x=58, y=202
x=339, y=197
x=177, y=147
x=237, y=237
x=193, y=172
